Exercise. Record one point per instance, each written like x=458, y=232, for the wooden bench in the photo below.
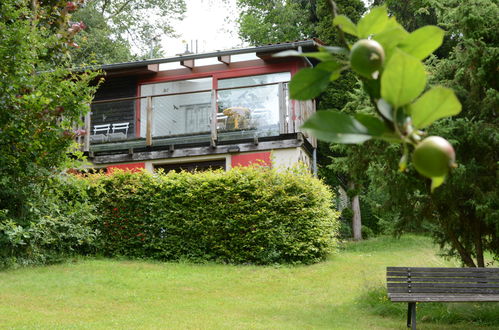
x=417, y=284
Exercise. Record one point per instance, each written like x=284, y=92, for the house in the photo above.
x=214, y=110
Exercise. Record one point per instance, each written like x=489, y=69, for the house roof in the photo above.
x=311, y=44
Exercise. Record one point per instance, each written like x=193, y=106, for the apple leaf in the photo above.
x=438, y=102
x=308, y=83
x=335, y=50
x=385, y=109
x=373, y=22
x=333, y=126
x=322, y=55
x=403, y=79
x=390, y=38
x=345, y=24
x=422, y=42
x=375, y=126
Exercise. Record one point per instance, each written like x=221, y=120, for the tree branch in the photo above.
x=119, y=10
x=334, y=13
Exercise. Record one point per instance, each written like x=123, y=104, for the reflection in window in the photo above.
x=250, y=108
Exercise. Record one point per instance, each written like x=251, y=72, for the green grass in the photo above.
x=341, y=293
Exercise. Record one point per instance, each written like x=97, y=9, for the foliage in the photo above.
x=397, y=78
x=58, y=226
x=123, y=30
x=97, y=43
x=463, y=213
x=247, y=215
x=41, y=102
x=40, y=99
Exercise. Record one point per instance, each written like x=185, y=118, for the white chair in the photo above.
x=119, y=132
x=100, y=133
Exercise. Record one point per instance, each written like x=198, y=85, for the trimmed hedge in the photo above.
x=246, y=215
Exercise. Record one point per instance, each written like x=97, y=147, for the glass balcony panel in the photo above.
x=251, y=109
x=112, y=121
x=185, y=114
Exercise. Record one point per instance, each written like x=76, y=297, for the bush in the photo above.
x=57, y=226
x=246, y=215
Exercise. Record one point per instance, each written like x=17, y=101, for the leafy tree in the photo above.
x=464, y=211
x=41, y=100
x=116, y=27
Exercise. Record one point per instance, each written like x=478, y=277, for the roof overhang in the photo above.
x=263, y=52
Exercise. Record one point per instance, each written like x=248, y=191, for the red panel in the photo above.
x=135, y=167
x=226, y=73
x=262, y=158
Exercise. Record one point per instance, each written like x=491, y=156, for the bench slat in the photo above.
x=396, y=297
x=444, y=290
x=438, y=279
x=444, y=269
x=444, y=285
x=448, y=274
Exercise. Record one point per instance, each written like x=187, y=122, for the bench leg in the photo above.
x=411, y=315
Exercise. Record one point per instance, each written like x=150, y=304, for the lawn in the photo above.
x=123, y=294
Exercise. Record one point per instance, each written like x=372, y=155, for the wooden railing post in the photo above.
x=87, y=128
x=149, y=121
x=283, y=111
x=214, y=133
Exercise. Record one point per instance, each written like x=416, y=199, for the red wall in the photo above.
x=262, y=158
x=135, y=167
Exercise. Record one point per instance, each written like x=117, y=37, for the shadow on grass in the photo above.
x=375, y=301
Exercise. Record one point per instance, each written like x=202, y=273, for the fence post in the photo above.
x=149, y=121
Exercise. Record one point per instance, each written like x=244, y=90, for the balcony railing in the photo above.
x=191, y=117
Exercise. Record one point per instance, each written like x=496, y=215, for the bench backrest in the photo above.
x=443, y=281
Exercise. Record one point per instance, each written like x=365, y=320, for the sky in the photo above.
x=210, y=22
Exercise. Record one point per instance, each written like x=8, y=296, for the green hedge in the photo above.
x=246, y=215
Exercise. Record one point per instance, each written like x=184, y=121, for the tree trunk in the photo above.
x=478, y=244
x=465, y=256
x=356, y=218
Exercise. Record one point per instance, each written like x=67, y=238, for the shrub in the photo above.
x=57, y=226
x=246, y=215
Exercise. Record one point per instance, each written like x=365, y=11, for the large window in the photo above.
x=179, y=107
x=251, y=103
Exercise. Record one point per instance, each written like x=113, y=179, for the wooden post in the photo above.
x=86, y=137
x=282, y=108
x=214, y=121
x=149, y=121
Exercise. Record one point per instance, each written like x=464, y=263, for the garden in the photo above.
x=256, y=247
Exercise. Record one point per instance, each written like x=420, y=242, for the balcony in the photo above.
x=201, y=111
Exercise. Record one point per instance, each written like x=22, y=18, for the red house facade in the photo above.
x=196, y=111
